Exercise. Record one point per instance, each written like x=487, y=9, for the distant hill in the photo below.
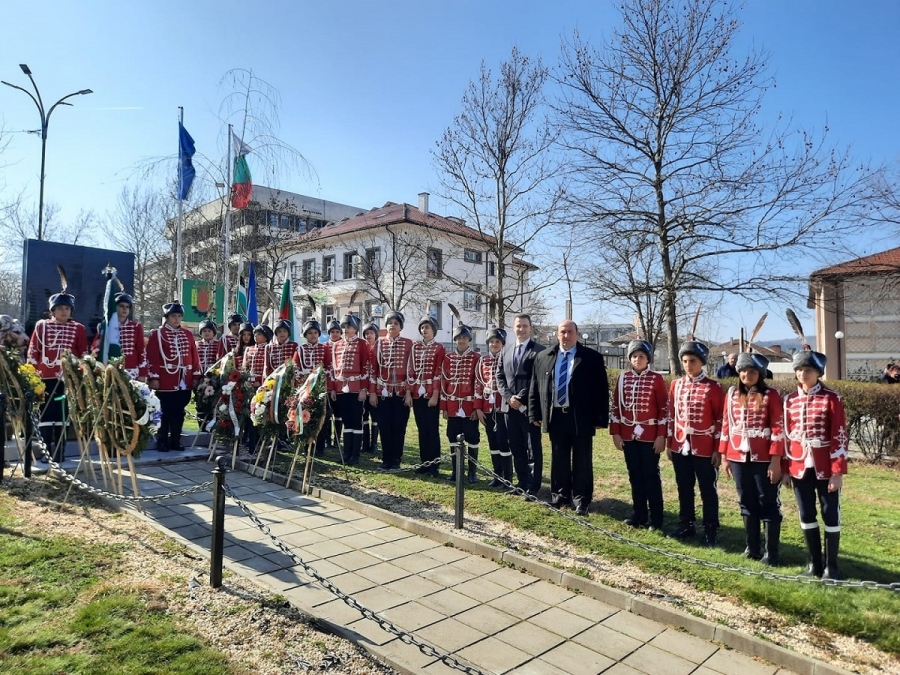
x=788, y=344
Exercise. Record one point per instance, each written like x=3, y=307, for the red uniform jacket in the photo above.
x=309, y=356
x=425, y=368
x=277, y=354
x=816, y=429
x=390, y=366
x=640, y=408
x=227, y=343
x=486, y=383
x=49, y=340
x=753, y=432
x=208, y=351
x=696, y=407
x=134, y=351
x=349, y=366
x=458, y=383
x=172, y=358
x=254, y=363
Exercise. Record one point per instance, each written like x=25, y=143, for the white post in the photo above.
x=227, y=234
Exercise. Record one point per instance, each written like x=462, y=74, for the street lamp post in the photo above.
x=45, y=121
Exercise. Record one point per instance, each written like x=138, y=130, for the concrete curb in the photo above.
x=701, y=628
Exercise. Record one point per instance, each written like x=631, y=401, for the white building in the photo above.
x=407, y=258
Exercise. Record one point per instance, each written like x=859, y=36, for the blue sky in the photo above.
x=368, y=87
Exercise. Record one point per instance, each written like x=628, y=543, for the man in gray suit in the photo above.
x=513, y=379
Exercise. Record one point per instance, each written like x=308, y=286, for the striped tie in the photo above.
x=561, y=393
x=517, y=359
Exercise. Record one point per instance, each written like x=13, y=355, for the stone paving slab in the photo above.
x=498, y=619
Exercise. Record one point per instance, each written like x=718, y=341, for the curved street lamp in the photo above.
x=45, y=121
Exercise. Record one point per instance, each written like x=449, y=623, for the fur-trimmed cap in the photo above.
x=62, y=300
x=394, y=314
x=235, y=318
x=757, y=361
x=809, y=358
x=462, y=330
x=246, y=327
x=207, y=324
x=285, y=324
x=497, y=333
x=173, y=308
x=350, y=320
x=334, y=324
x=124, y=297
x=430, y=321
x=640, y=346
x=263, y=329
x=312, y=324
x=372, y=326
x=698, y=349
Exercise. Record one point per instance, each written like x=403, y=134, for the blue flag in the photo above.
x=185, y=165
x=252, y=314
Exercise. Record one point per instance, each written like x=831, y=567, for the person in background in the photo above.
x=173, y=367
x=513, y=380
x=229, y=339
x=727, y=369
x=491, y=405
x=425, y=362
x=458, y=404
x=50, y=338
x=639, y=425
x=333, y=418
x=245, y=340
x=815, y=425
x=207, y=345
x=695, y=427
x=891, y=374
x=753, y=446
x=254, y=364
x=569, y=400
x=126, y=338
x=281, y=348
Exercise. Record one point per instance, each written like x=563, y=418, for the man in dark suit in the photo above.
x=569, y=399
x=513, y=378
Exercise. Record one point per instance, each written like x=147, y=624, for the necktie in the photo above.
x=561, y=384
x=517, y=359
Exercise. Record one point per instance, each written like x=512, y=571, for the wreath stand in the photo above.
x=19, y=409
x=121, y=424
x=310, y=452
x=269, y=454
x=81, y=417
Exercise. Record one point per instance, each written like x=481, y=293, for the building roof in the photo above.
x=734, y=345
x=877, y=263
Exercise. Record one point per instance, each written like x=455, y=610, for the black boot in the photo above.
x=773, y=538
x=473, y=454
x=832, y=546
x=686, y=530
x=506, y=468
x=751, y=527
x=495, y=463
x=365, y=436
x=59, y=446
x=373, y=441
x=711, y=535
x=814, y=547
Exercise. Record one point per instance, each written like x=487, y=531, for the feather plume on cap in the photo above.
x=63, y=279
x=798, y=329
x=312, y=302
x=455, y=312
x=759, y=325
x=692, y=334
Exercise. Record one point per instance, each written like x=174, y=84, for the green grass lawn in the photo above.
x=58, y=614
x=870, y=544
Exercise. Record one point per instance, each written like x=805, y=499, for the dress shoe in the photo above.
x=581, y=510
x=686, y=530
x=516, y=490
x=177, y=448
x=533, y=492
x=632, y=521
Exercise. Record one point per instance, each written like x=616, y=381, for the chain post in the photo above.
x=461, y=457
x=217, y=545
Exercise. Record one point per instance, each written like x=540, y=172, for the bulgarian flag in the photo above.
x=109, y=327
x=243, y=186
x=286, y=307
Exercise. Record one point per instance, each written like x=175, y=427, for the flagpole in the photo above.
x=179, y=271
x=227, y=244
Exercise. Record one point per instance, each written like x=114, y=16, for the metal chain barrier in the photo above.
x=437, y=461
x=682, y=557
x=349, y=600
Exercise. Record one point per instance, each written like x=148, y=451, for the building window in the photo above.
x=328, y=268
x=327, y=317
x=472, y=256
x=491, y=268
x=434, y=263
x=435, y=312
x=348, y=264
x=372, y=310
x=472, y=298
x=373, y=261
x=309, y=272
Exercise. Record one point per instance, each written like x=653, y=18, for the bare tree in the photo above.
x=667, y=153
x=496, y=168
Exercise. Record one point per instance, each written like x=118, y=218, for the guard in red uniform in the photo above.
x=639, y=424
x=207, y=345
x=458, y=403
x=334, y=414
x=696, y=403
x=126, y=338
x=229, y=339
x=280, y=349
x=309, y=356
x=348, y=385
x=254, y=363
x=51, y=337
x=425, y=362
x=389, y=393
x=370, y=334
x=492, y=406
x=816, y=451
x=174, y=370
x=245, y=341
x=753, y=445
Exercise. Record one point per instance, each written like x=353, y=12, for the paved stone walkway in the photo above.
x=496, y=618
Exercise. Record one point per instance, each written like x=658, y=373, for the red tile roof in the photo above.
x=877, y=263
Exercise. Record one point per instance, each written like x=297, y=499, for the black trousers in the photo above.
x=495, y=429
x=392, y=417
x=350, y=409
x=757, y=497
x=691, y=470
x=571, y=465
x=806, y=490
x=469, y=429
x=525, y=446
x=51, y=414
x=646, y=483
x=428, y=426
x=173, y=405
